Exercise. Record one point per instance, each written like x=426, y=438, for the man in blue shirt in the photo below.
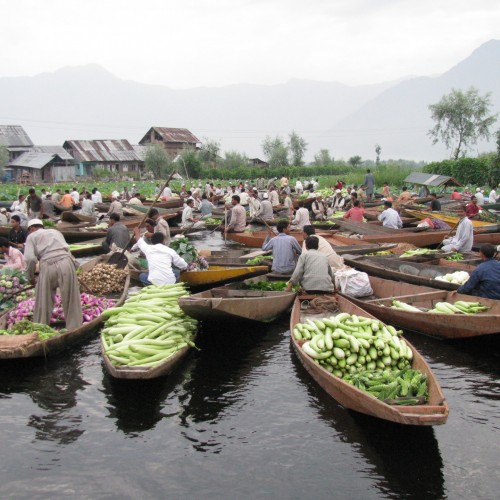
x=285, y=249
x=485, y=279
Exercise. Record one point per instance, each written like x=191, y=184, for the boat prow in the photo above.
x=434, y=412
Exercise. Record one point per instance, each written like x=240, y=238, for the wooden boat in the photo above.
x=435, y=412
x=145, y=372
x=451, y=220
x=448, y=326
x=233, y=302
x=29, y=347
x=396, y=269
x=81, y=234
x=255, y=239
x=92, y=247
x=174, y=202
x=213, y=276
x=71, y=216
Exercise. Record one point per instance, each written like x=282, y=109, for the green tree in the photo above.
x=233, y=159
x=494, y=173
x=275, y=151
x=355, y=161
x=297, y=147
x=4, y=158
x=209, y=152
x=323, y=158
x=157, y=161
x=191, y=161
x=461, y=119
x=378, y=150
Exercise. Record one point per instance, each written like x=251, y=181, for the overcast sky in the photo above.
x=193, y=43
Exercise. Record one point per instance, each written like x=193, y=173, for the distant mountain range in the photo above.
x=88, y=102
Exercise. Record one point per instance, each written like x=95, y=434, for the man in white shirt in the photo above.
x=20, y=205
x=299, y=188
x=166, y=193
x=254, y=204
x=96, y=196
x=301, y=217
x=389, y=217
x=160, y=260
x=244, y=199
x=188, y=221
x=479, y=197
x=76, y=196
x=273, y=197
x=464, y=237
x=493, y=196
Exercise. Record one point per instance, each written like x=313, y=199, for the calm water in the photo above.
x=241, y=419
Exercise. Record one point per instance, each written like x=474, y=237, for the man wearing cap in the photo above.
x=115, y=206
x=57, y=270
x=266, y=209
x=479, y=197
x=3, y=216
x=338, y=201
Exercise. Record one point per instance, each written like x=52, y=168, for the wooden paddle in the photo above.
x=449, y=234
x=118, y=258
x=268, y=226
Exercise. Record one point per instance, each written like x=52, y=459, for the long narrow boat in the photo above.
x=143, y=372
x=214, y=275
x=447, y=326
x=234, y=302
x=445, y=217
x=435, y=412
x=31, y=347
x=92, y=247
x=409, y=272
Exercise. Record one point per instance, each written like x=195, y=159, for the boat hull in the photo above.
x=433, y=413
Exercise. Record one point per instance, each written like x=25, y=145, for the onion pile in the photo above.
x=92, y=307
x=103, y=279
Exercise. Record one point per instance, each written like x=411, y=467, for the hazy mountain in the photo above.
x=88, y=102
x=399, y=118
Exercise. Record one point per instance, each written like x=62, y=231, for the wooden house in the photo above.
x=173, y=140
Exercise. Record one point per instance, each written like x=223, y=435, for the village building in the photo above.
x=117, y=156
x=173, y=140
x=257, y=162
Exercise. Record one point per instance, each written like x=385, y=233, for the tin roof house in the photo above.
x=173, y=140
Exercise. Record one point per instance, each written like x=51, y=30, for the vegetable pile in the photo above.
x=11, y=282
x=149, y=328
x=210, y=221
x=26, y=327
x=458, y=277
x=92, y=307
x=257, y=260
x=188, y=252
x=417, y=251
x=103, y=279
x=81, y=246
x=459, y=306
x=268, y=286
x=456, y=256
x=359, y=349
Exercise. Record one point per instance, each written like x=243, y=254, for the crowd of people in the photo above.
x=312, y=265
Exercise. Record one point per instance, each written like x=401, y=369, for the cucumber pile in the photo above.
x=149, y=328
x=365, y=353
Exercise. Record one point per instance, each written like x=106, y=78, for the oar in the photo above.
x=118, y=258
x=268, y=226
x=449, y=234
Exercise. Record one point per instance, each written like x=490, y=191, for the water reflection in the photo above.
x=404, y=460
x=138, y=405
x=53, y=385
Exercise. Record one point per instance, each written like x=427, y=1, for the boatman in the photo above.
x=313, y=271
x=464, y=237
x=389, y=217
x=324, y=247
x=285, y=249
x=238, y=220
x=160, y=260
x=57, y=270
x=485, y=279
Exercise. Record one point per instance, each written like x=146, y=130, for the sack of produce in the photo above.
x=353, y=283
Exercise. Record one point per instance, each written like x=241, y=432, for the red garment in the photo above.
x=355, y=213
x=456, y=195
x=471, y=210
